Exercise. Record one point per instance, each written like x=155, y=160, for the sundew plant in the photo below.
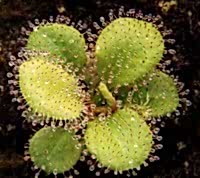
x=96, y=94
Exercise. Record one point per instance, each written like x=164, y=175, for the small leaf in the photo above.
x=59, y=40
x=55, y=151
x=50, y=90
x=122, y=142
x=127, y=49
x=162, y=93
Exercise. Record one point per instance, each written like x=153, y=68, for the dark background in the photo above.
x=180, y=156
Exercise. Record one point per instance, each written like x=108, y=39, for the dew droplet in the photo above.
x=55, y=171
x=91, y=168
x=71, y=41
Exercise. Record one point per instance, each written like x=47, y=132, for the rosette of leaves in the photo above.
x=126, y=50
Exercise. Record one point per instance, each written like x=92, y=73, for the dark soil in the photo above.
x=180, y=157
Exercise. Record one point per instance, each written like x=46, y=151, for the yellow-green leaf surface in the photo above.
x=121, y=142
x=50, y=90
x=60, y=40
x=127, y=49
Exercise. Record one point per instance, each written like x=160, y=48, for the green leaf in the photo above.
x=50, y=90
x=160, y=94
x=54, y=151
x=59, y=40
x=127, y=49
x=122, y=142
